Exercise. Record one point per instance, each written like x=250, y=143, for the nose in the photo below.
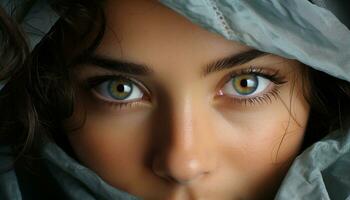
x=187, y=150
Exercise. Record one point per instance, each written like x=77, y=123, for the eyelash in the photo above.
x=266, y=97
x=93, y=82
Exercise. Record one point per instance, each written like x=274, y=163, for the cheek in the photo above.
x=267, y=133
x=109, y=145
x=273, y=141
x=259, y=144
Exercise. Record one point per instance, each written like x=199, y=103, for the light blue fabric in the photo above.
x=321, y=172
x=289, y=28
x=9, y=188
x=2, y=84
x=293, y=29
x=77, y=181
x=35, y=16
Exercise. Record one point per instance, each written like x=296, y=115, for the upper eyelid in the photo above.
x=138, y=83
x=260, y=71
x=233, y=61
x=252, y=69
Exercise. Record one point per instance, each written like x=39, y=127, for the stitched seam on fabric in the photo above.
x=221, y=18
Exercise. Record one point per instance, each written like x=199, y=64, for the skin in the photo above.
x=186, y=140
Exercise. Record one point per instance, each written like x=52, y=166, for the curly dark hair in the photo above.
x=40, y=94
x=13, y=54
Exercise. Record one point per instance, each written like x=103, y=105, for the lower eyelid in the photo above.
x=101, y=97
x=128, y=105
x=267, y=96
x=125, y=105
x=256, y=101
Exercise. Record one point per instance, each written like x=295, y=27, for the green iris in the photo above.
x=120, y=89
x=245, y=84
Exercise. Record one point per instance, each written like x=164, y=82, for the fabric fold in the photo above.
x=292, y=29
x=76, y=180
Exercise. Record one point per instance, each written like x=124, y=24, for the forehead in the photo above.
x=148, y=32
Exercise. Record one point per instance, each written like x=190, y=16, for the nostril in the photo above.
x=159, y=169
x=181, y=172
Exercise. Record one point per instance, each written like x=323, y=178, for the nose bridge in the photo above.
x=183, y=125
x=184, y=157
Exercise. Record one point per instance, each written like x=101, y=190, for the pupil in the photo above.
x=244, y=83
x=120, y=88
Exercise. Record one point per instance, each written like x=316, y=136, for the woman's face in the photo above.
x=172, y=111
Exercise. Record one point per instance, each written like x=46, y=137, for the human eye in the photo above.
x=117, y=90
x=252, y=85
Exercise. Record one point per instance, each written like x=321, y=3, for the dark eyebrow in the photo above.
x=232, y=61
x=115, y=65
x=143, y=70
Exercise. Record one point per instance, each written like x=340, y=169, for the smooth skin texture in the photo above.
x=188, y=136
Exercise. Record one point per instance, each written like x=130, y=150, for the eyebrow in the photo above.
x=232, y=61
x=123, y=66
x=116, y=65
